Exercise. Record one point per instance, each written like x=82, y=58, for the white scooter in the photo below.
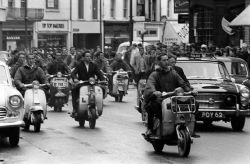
x=120, y=84
x=90, y=102
x=35, y=105
x=177, y=124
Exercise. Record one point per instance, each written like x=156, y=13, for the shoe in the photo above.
x=194, y=135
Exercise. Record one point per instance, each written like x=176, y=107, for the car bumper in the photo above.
x=11, y=124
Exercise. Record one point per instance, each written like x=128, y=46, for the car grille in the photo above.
x=216, y=101
x=3, y=113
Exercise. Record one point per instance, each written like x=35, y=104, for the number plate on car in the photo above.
x=212, y=115
x=60, y=82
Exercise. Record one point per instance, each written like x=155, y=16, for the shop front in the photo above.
x=52, y=34
x=14, y=35
x=115, y=33
x=86, y=34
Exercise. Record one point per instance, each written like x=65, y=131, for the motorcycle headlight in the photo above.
x=59, y=74
x=91, y=81
x=15, y=101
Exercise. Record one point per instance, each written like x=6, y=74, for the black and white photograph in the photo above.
x=124, y=81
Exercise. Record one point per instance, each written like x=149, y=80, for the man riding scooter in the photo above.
x=28, y=73
x=58, y=76
x=84, y=70
x=164, y=79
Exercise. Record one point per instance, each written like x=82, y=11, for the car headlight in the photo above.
x=244, y=96
x=15, y=101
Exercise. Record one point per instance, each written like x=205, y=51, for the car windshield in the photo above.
x=3, y=76
x=204, y=70
x=237, y=68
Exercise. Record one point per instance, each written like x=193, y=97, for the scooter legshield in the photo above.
x=84, y=99
x=40, y=99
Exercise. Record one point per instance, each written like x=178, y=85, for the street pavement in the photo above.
x=117, y=139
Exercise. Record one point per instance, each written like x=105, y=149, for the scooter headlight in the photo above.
x=59, y=74
x=35, y=84
x=91, y=81
x=15, y=101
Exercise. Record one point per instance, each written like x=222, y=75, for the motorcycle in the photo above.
x=59, y=91
x=140, y=99
x=176, y=126
x=90, y=102
x=120, y=84
x=35, y=105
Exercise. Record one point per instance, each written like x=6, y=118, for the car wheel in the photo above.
x=238, y=122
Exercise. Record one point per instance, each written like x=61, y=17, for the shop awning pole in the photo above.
x=130, y=22
x=1, y=35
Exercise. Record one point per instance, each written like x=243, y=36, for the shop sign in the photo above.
x=53, y=26
x=13, y=37
x=181, y=6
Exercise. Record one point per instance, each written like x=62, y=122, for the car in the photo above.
x=237, y=68
x=122, y=48
x=219, y=98
x=11, y=107
x=4, y=56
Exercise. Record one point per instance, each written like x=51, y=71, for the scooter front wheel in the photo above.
x=184, y=144
x=158, y=146
x=37, y=122
x=81, y=123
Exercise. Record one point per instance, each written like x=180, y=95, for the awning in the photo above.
x=242, y=19
x=203, y=3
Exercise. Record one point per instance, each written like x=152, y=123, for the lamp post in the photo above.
x=130, y=22
x=25, y=21
x=164, y=20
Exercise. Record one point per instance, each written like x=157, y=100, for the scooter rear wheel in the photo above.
x=184, y=144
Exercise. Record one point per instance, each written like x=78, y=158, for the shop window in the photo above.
x=125, y=8
x=52, y=4
x=112, y=9
x=140, y=8
x=11, y=3
x=94, y=9
x=80, y=9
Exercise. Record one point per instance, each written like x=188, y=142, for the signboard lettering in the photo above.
x=181, y=6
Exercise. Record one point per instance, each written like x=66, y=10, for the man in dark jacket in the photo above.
x=164, y=79
x=83, y=71
x=172, y=62
x=29, y=73
x=58, y=66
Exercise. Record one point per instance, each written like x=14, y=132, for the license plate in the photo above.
x=212, y=115
x=60, y=82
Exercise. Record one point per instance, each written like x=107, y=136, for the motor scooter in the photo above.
x=90, y=102
x=35, y=105
x=177, y=124
x=59, y=91
x=140, y=99
x=120, y=84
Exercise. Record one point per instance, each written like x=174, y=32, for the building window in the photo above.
x=22, y=3
x=205, y=25
x=140, y=8
x=112, y=9
x=125, y=8
x=11, y=3
x=52, y=4
x=94, y=9
x=154, y=10
x=80, y=9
